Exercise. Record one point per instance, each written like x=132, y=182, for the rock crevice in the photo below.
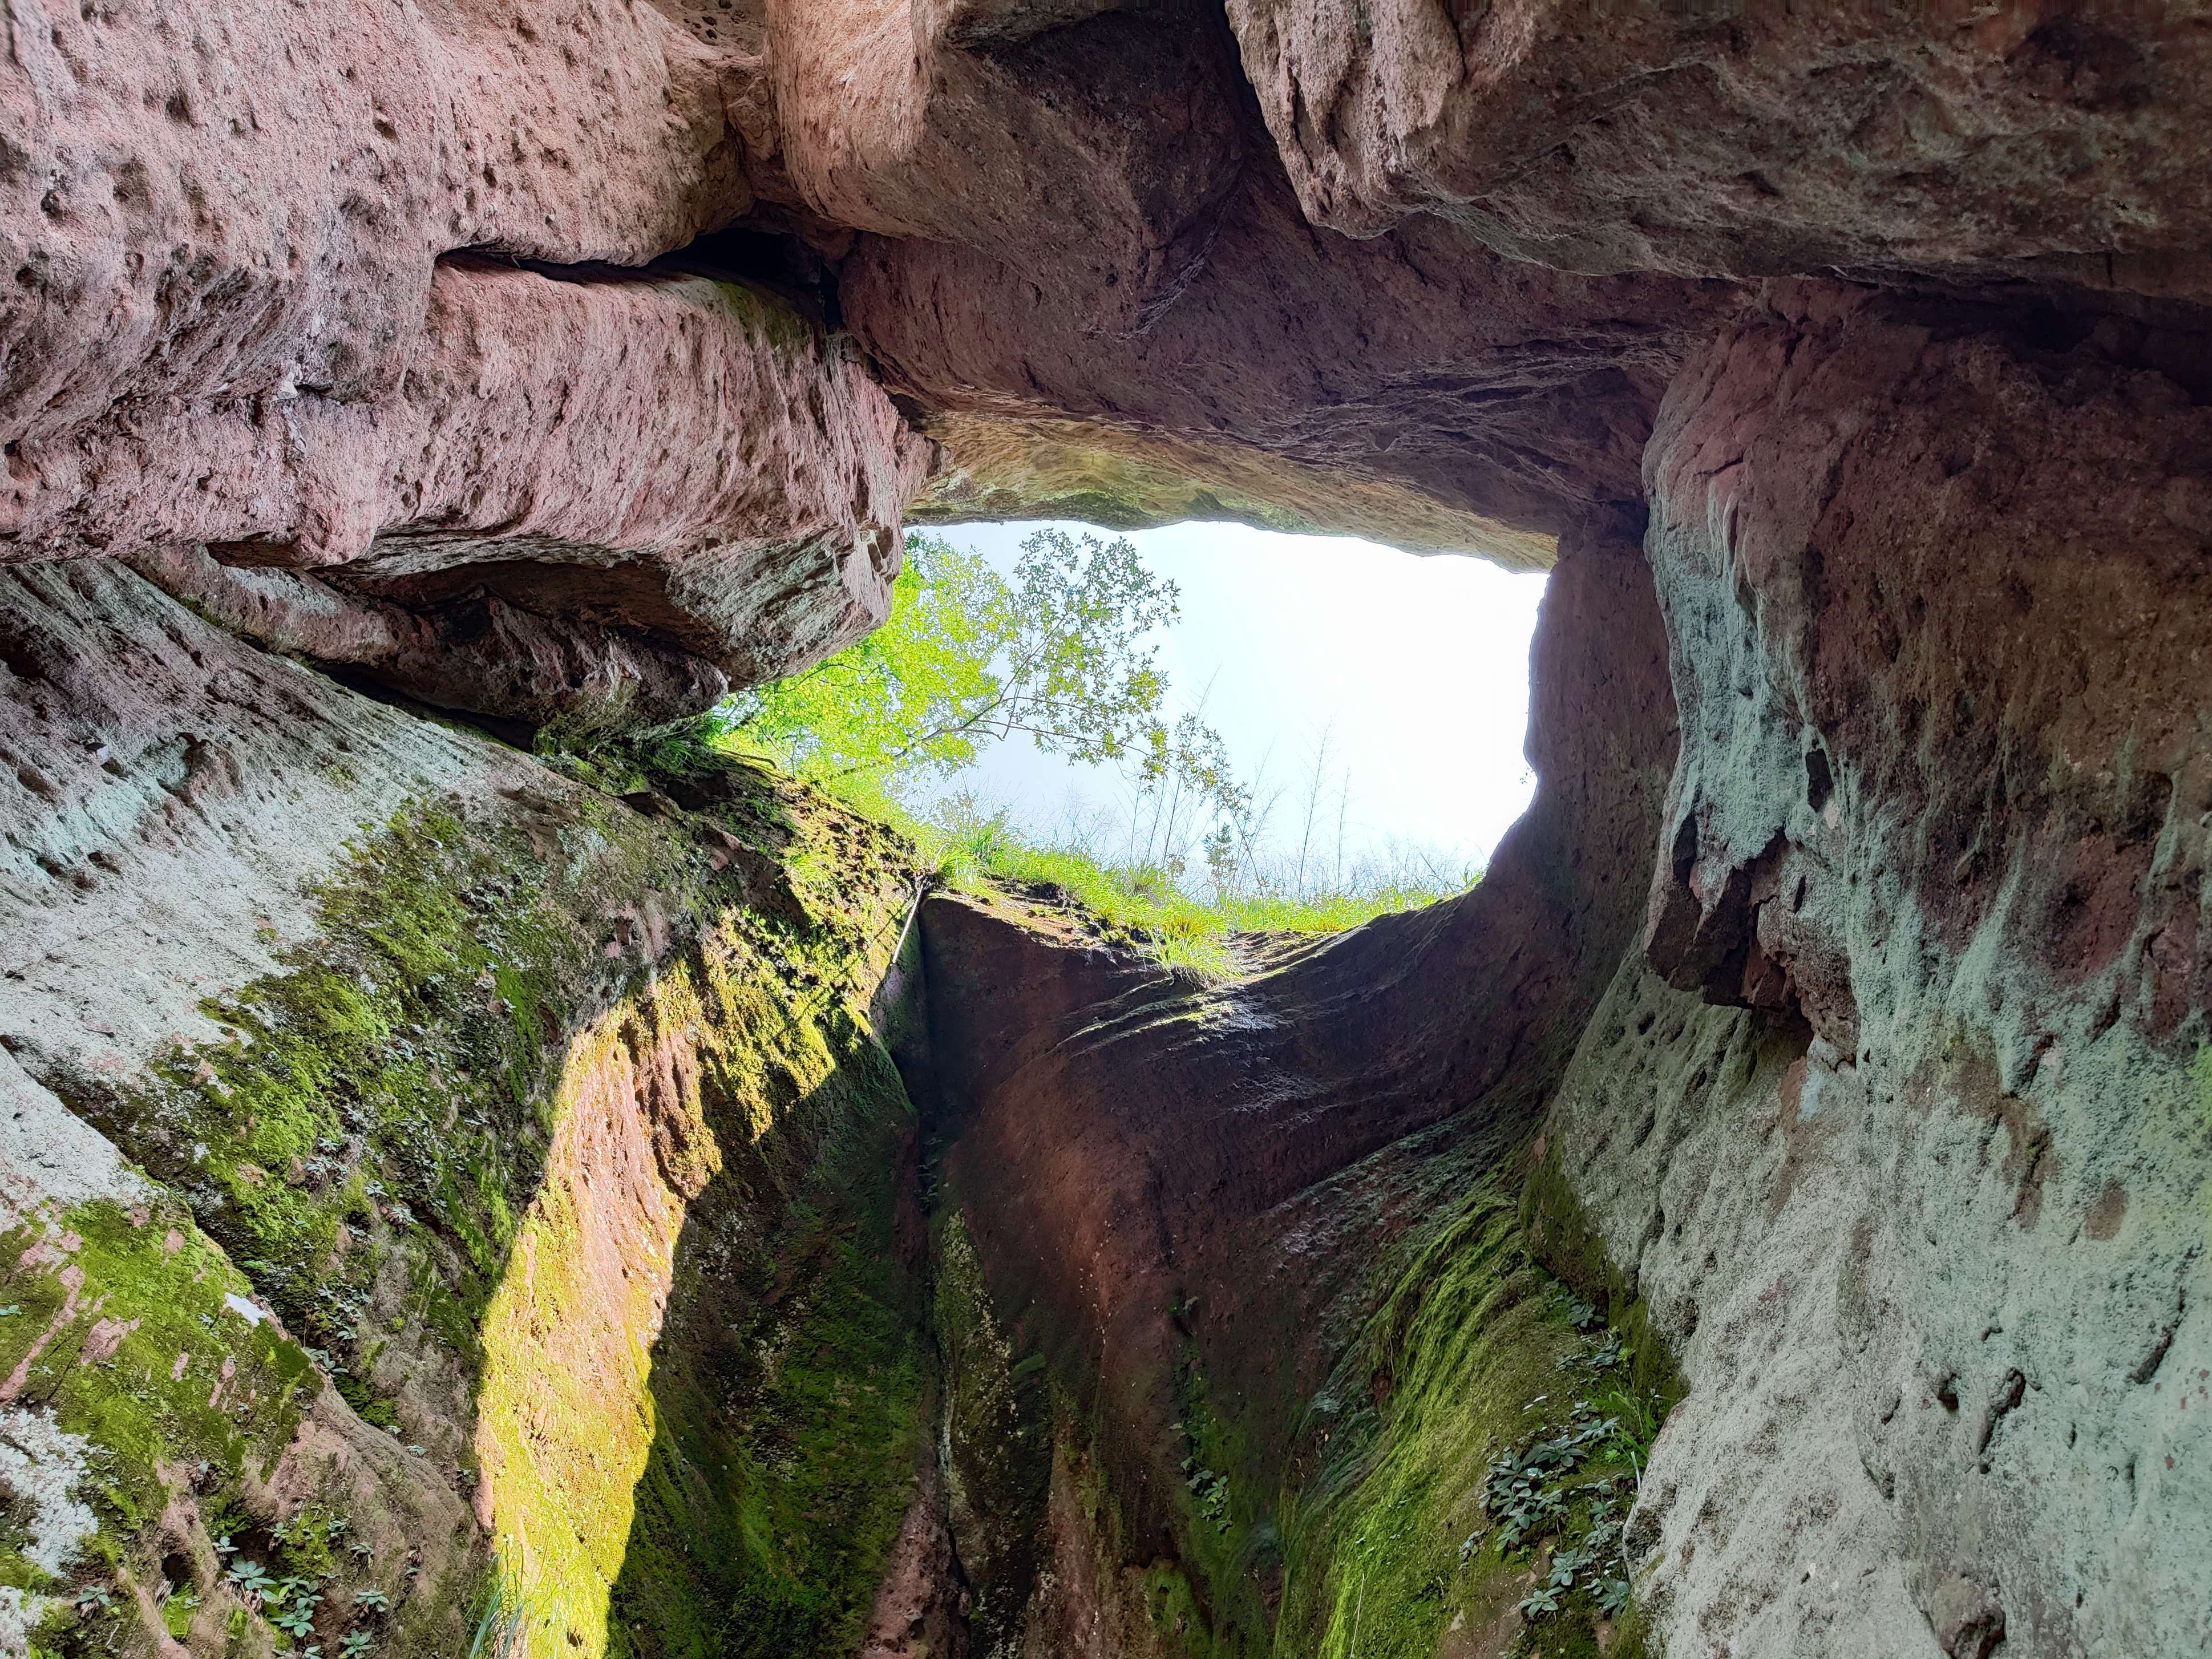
x=1835, y=1023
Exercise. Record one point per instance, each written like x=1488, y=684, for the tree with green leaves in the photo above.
x=1060, y=653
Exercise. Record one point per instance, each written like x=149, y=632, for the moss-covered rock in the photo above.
x=1477, y=1454
x=527, y=1244
x=1316, y=1389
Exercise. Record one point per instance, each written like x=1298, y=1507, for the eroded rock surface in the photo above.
x=249, y=313
x=1858, y=136
x=563, y=366
x=1964, y=876
x=404, y=1166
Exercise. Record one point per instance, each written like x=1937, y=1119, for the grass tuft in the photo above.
x=1144, y=906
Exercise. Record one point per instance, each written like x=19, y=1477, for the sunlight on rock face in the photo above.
x=611, y=1048
x=565, y=1417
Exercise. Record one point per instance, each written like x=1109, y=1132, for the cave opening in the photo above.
x=1382, y=695
x=1272, y=730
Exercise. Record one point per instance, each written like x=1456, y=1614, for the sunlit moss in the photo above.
x=699, y=1415
x=1473, y=1354
x=1147, y=908
x=368, y=1147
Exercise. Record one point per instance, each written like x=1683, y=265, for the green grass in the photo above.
x=1144, y=908
x=1140, y=905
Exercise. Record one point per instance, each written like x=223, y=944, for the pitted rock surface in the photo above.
x=1847, y=981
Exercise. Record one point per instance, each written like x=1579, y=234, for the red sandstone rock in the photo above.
x=231, y=324
x=682, y=463
x=1416, y=388
x=1091, y=151
x=206, y=204
x=1999, y=140
x=1912, y=496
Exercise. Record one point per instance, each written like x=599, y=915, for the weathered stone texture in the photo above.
x=1929, y=1221
x=572, y=363
x=1710, y=141
x=1417, y=388
x=235, y=323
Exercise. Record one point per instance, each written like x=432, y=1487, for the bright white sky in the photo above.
x=1416, y=667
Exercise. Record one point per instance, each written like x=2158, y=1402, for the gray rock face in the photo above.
x=1923, y=1195
x=169, y=793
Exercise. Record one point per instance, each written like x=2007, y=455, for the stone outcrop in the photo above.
x=270, y=299
x=414, y=1142
x=407, y=1170
x=1859, y=138
x=1959, y=884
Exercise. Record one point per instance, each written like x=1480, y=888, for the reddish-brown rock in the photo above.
x=1127, y=1144
x=1090, y=148
x=682, y=466
x=1416, y=388
x=2033, y=139
x=1911, y=497
x=231, y=322
x=209, y=203
x=1920, y=1197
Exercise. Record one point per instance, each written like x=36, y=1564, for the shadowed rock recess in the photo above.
x=483, y=1173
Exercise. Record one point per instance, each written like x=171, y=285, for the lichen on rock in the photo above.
x=458, y=1197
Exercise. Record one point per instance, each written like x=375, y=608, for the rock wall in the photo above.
x=1940, y=825
x=480, y=1184
x=1837, y=1021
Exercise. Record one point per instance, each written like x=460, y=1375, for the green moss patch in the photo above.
x=134, y=1332
x=998, y=1433
x=366, y=1151
x=385, y=1092
x=788, y=1393
x=1560, y=1237
x=733, y=1486
x=1479, y=1450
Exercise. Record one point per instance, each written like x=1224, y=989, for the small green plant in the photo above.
x=1211, y=1489
x=1611, y=1354
x=1544, y=1599
x=177, y=1612
x=1636, y=1416
x=1581, y=1314
x=1567, y=1489
x=297, y=1619
x=251, y=1579
x=354, y=1644
x=503, y=1629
